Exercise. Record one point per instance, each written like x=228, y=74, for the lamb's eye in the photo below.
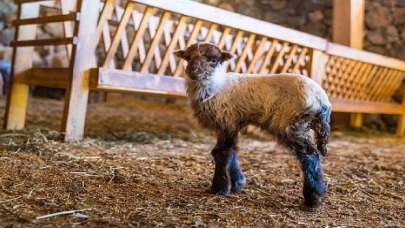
x=214, y=60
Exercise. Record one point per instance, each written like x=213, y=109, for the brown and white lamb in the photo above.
x=286, y=105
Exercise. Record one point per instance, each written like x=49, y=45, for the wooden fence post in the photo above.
x=83, y=59
x=401, y=120
x=348, y=29
x=17, y=101
x=318, y=66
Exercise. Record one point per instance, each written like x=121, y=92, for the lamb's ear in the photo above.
x=179, y=53
x=225, y=56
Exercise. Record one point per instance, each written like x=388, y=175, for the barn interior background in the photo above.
x=148, y=164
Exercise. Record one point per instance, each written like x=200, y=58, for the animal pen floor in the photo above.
x=148, y=164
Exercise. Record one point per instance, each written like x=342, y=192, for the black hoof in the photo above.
x=220, y=188
x=313, y=208
x=313, y=200
x=219, y=191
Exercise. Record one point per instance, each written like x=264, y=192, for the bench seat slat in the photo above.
x=135, y=82
x=341, y=105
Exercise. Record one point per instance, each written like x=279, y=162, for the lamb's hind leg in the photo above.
x=238, y=180
x=298, y=139
x=226, y=163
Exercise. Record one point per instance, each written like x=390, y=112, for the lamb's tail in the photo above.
x=321, y=126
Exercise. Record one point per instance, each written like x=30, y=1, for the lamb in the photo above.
x=288, y=106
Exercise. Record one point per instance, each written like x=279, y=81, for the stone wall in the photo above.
x=384, y=19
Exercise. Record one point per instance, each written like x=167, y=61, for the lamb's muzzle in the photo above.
x=288, y=106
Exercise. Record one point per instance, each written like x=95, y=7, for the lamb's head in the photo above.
x=203, y=60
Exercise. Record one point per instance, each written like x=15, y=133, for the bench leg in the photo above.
x=17, y=100
x=16, y=108
x=356, y=120
x=82, y=60
x=74, y=113
x=401, y=126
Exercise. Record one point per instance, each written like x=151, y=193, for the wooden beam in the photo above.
x=17, y=100
x=348, y=22
x=240, y=22
x=401, y=120
x=48, y=77
x=341, y=105
x=18, y=2
x=348, y=29
x=83, y=59
x=120, y=80
x=44, y=42
x=50, y=19
x=318, y=66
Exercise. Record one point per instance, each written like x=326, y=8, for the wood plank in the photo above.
x=119, y=80
x=280, y=55
x=348, y=29
x=19, y=2
x=155, y=42
x=342, y=105
x=211, y=31
x=44, y=42
x=259, y=52
x=301, y=58
x=224, y=36
x=236, y=42
x=291, y=55
x=48, y=77
x=364, y=56
x=129, y=9
x=50, y=19
x=240, y=22
x=17, y=99
x=106, y=13
x=401, y=121
x=191, y=40
x=83, y=59
x=175, y=37
x=270, y=53
x=117, y=36
x=68, y=6
x=137, y=39
x=348, y=22
x=243, y=56
x=318, y=66
x=137, y=18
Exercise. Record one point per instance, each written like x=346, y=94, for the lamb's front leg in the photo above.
x=224, y=159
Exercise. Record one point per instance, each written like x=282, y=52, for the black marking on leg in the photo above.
x=221, y=182
x=238, y=180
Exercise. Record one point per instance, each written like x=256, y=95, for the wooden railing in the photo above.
x=135, y=47
x=272, y=49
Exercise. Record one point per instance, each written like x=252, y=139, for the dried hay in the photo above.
x=147, y=164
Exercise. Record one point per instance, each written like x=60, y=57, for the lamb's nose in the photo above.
x=196, y=70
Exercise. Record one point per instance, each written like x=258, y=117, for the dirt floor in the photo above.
x=149, y=164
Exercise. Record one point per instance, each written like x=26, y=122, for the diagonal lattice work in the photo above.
x=142, y=38
x=356, y=80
